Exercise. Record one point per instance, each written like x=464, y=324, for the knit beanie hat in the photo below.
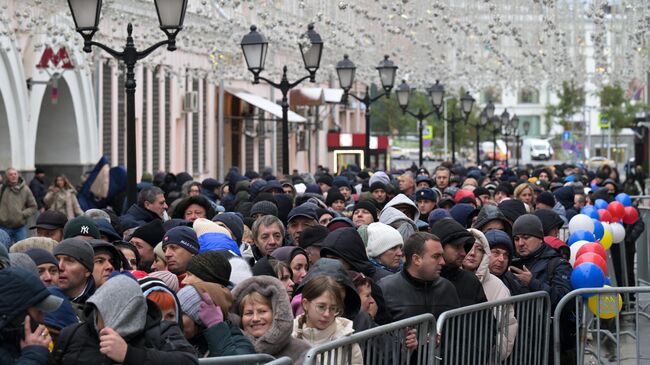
x=313, y=236
x=42, y=256
x=339, y=222
x=264, y=207
x=168, y=278
x=451, y=232
x=325, y=179
x=512, y=209
x=504, y=188
x=381, y=238
x=151, y=233
x=210, y=266
x=550, y=220
x=81, y=226
x=499, y=238
x=78, y=249
x=379, y=176
x=528, y=224
x=463, y=213
x=481, y=191
x=377, y=185
x=158, y=251
x=367, y=205
x=190, y=301
x=202, y=226
x=437, y=214
x=332, y=196
x=234, y=222
x=546, y=198
x=341, y=181
x=184, y=237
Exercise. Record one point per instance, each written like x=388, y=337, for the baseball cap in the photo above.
x=81, y=226
x=306, y=210
x=50, y=219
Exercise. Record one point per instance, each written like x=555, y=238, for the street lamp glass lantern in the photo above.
x=514, y=122
x=312, y=52
x=171, y=14
x=387, y=71
x=345, y=70
x=505, y=118
x=489, y=109
x=483, y=118
x=254, y=46
x=466, y=103
x=403, y=92
x=86, y=15
x=437, y=94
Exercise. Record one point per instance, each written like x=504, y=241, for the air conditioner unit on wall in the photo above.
x=191, y=102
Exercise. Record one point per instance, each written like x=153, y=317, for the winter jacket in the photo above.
x=17, y=204
x=20, y=290
x=277, y=341
x=469, y=288
x=136, y=320
x=38, y=188
x=64, y=201
x=225, y=339
x=410, y=296
x=398, y=220
x=537, y=263
x=136, y=216
x=513, y=285
x=495, y=289
x=339, y=328
x=346, y=243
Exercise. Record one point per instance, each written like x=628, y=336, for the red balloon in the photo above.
x=593, y=258
x=592, y=247
x=605, y=216
x=630, y=216
x=617, y=210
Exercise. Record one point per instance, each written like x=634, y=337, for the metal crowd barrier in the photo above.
x=253, y=359
x=286, y=360
x=380, y=345
x=602, y=327
x=507, y=331
x=642, y=244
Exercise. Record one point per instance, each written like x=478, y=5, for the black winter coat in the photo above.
x=160, y=343
x=136, y=216
x=469, y=288
x=557, y=286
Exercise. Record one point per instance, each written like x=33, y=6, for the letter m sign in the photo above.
x=58, y=59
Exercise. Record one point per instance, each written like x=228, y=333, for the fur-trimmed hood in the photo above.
x=483, y=270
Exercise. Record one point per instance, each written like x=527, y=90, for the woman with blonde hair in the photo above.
x=62, y=197
x=525, y=194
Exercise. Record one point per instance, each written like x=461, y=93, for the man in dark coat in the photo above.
x=456, y=242
x=125, y=328
x=419, y=288
x=151, y=205
x=24, y=299
x=38, y=186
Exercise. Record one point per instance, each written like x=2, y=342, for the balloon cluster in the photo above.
x=592, y=233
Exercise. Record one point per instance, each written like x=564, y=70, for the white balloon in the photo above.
x=581, y=221
x=618, y=232
x=574, y=250
x=607, y=227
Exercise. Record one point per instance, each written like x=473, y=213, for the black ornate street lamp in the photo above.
x=254, y=46
x=346, y=70
x=509, y=128
x=496, y=129
x=437, y=95
x=403, y=93
x=86, y=14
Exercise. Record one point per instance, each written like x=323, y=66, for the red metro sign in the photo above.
x=58, y=59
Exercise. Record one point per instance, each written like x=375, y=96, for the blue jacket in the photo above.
x=538, y=263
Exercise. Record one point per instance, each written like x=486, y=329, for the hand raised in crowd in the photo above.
x=112, y=345
x=209, y=313
x=411, y=339
x=523, y=275
x=40, y=337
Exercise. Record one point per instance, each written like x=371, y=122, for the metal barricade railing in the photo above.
x=286, y=360
x=253, y=359
x=506, y=331
x=642, y=245
x=600, y=327
x=380, y=345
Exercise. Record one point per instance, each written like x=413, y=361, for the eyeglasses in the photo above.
x=333, y=309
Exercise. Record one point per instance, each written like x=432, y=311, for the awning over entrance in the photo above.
x=265, y=104
x=314, y=96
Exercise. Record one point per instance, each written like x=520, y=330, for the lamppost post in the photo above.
x=86, y=14
x=403, y=92
x=254, y=46
x=346, y=69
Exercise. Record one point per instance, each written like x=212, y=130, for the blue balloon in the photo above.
x=599, y=230
x=587, y=275
x=581, y=235
x=607, y=281
x=590, y=211
x=624, y=199
x=594, y=186
x=600, y=204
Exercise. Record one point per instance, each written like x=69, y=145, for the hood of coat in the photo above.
x=489, y=213
x=403, y=199
x=333, y=268
x=347, y=244
x=398, y=220
x=483, y=270
x=279, y=335
x=121, y=304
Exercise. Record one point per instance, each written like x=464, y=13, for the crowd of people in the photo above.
x=258, y=264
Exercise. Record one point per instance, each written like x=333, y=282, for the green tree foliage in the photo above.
x=619, y=108
x=572, y=99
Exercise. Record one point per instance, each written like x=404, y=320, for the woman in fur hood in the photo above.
x=266, y=317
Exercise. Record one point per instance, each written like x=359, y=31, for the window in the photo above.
x=492, y=93
x=528, y=96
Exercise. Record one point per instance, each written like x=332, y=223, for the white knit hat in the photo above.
x=381, y=238
x=203, y=225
